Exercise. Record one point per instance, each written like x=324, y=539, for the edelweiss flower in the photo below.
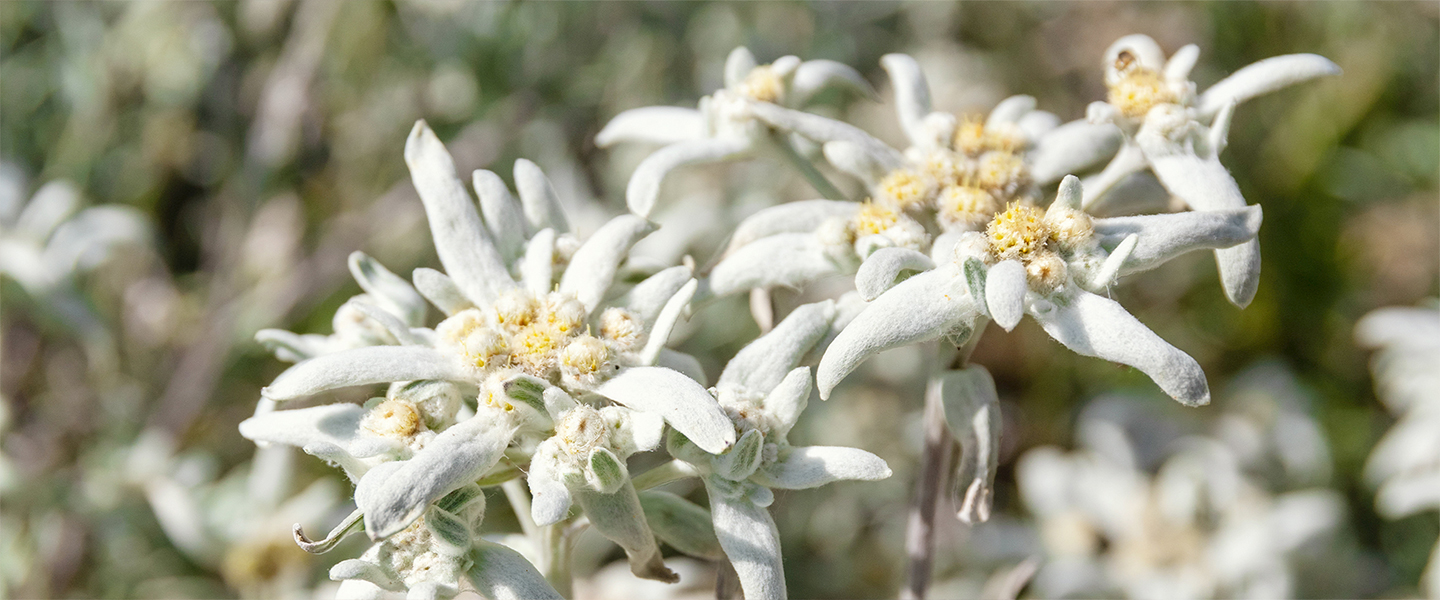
x=722, y=128
x=1179, y=135
x=954, y=177
x=560, y=325
x=763, y=392
x=1405, y=464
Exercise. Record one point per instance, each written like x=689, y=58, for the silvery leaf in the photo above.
x=1074, y=147
x=1181, y=62
x=451, y=533
x=920, y=308
x=394, y=494
x=499, y=573
x=538, y=198
x=549, y=497
x=1165, y=236
x=537, y=268
x=461, y=240
x=790, y=217
x=880, y=270
x=441, y=291
x=392, y=324
x=738, y=65
x=742, y=459
x=1126, y=162
x=357, y=569
x=432, y=590
x=683, y=403
x=592, y=268
x=632, y=431
x=387, y=289
x=972, y=410
x=504, y=216
x=1110, y=269
x=765, y=362
x=865, y=162
x=681, y=523
x=751, y=542
x=652, y=124
x=912, y=93
x=665, y=322
x=648, y=297
x=618, y=516
x=1096, y=326
x=1264, y=77
x=684, y=363
x=786, y=401
x=820, y=129
x=644, y=186
x=362, y=366
x=787, y=259
x=605, y=472
x=813, y=76
x=290, y=347
x=1009, y=111
x=1036, y=123
x=1005, y=287
x=813, y=466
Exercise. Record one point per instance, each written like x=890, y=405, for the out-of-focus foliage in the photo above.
x=260, y=140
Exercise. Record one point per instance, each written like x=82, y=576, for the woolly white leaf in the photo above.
x=786, y=401
x=652, y=124
x=880, y=270
x=649, y=297
x=813, y=76
x=1126, y=162
x=499, y=573
x=1009, y=111
x=813, y=466
x=441, y=291
x=865, y=162
x=1005, y=287
x=742, y=459
x=618, y=516
x=785, y=259
x=751, y=542
x=1074, y=147
x=550, y=499
x=355, y=569
x=681, y=523
x=821, y=129
x=765, y=362
x=1264, y=77
x=683, y=403
x=1181, y=62
x=684, y=363
x=644, y=186
x=592, y=269
x=1165, y=236
x=361, y=366
x=387, y=289
x=537, y=269
x=972, y=410
x=504, y=216
x=665, y=322
x=738, y=65
x=791, y=217
x=912, y=93
x=290, y=347
x=390, y=322
x=538, y=198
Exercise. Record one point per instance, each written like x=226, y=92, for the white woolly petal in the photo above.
x=683, y=403
x=644, y=186
x=681, y=523
x=813, y=76
x=648, y=297
x=362, y=366
x=682, y=362
x=1127, y=161
x=823, y=130
x=618, y=516
x=813, y=466
x=791, y=217
x=912, y=93
x=972, y=410
x=504, y=216
x=1406, y=495
x=592, y=269
x=786, y=259
x=387, y=289
x=1005, y=287
x=1142, y=47
x=1165, y=236
x=1177, y=69
x=441, y=291
x=397, y=328
x=665, y=322
x=461, y=240
x=356, y=569
x=751, y=542
x=880, y=269
x=1095, y=326
x=358, y=589
x=738, y=65
x=1074, y=147
x=394, y=494
x=1036, y=123
x=499, y=573
x=290, y=347
x=1264, y=77
x=1409, y=445
x=865, y=162
x=920, y=308
x=537, y=269
x=328, y=431
x=765, y=362
x=1399, y=326
x=538, y=198
x=785, y=403
x=1010, y=110
x=549, y=498
x=652, y=124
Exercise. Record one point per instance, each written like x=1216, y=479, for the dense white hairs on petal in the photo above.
x=644, y=187
x=499, y=573
x=592, y=269
x=648, y=297
x=620, y=518
x=1141, y=47
x=923, y=307
x=813, y=76
x=786, y=401
x=1264, y=77
x=1204, y=184
x=537, y=268
x=738, y=66
x=823, y=130
x=441, y=291
x=751, y=542
x=361, y=366
x=880, y=270
x=504, y=216
x=549, y=497
x=325, y=431
x=912, y=93
x=538, y=198
x=1110, y=269
x=461, y=240
x=1177, y=69
x=397, y=328
x=681, y=523
x=1096, y=326
x=1074, y=147
x=791, y=217
x=665, y=322
x=1165, y=236
x=685, y=405
x=1005, y=287
x=387, y=289
x=686, y=364
x=394, y=494
x=787, y=259
x=972, y=410
x=764, y=363
x=865, y=162
x=290, y=347
x=813, y=466
x=1036, y=123
x=1010, y=110
x=368, y=573
x=785, y=66
x=652, y=124
x=1128, y=160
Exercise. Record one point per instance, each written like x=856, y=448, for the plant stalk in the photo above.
x=813, y=175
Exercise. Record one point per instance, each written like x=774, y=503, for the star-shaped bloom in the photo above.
x=1051, y=264
x=1179, y=134
x=722, y=128
x=956, y=174
x=764, y=391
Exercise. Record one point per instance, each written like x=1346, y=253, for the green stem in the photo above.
x=817, y=179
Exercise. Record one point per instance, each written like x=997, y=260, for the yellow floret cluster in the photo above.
x=763, y=84
x=394, y=419
x=1037, y=239
x=1138, y=90
x=973, y=138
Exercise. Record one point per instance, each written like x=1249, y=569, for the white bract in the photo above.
x=1179, y=134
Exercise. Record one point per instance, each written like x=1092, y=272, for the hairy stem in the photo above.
x=519, y=499
x=806, y=168
x=934, y=466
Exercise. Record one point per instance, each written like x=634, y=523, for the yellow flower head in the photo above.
x=394, y=419
x=1139, y=88
x=874, y=218
x=763, y=84
x=905, y=188
x=1017, y=233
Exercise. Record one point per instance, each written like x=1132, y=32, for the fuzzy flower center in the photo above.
x=393, y=419
x=1039, y=240
x=1139, y=88
x=763, y=84
x=582, y=429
